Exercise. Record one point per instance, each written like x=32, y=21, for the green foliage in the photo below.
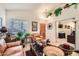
x=49, y=14
x=22, y=35
x=27, y=34
x=75, y=5
x=57, y=12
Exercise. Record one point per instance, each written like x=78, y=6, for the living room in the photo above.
x=38, y=21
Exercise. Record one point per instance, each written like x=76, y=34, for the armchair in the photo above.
x=11, y=49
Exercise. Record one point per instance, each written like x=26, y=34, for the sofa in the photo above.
x=11, y=49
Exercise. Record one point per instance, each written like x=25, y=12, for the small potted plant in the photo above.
x=28, y=37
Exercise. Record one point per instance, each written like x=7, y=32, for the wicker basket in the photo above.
x=67, y=51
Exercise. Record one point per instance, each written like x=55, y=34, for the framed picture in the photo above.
x=50, y=26
x=65, y=26
x=34, y=26
x=68, y=27
x=60, y=25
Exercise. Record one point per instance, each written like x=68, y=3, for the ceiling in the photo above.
x=22, y=6
x=26, y=6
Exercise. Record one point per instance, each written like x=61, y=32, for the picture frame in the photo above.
x=34, y=26
x=65, y=26
x=68, y=27
x=60, y=25
x=50, y=26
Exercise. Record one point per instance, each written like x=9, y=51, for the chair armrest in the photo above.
x=13, y=50
x=0, y=54
x=11, y=44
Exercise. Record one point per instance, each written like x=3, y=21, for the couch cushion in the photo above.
x=11, y=44
x=2, y=46
x=18, y=54
x=0, y=54
x=12, y=50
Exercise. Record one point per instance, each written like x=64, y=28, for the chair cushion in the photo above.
x=11, y=44
x=0, y=54
x=12, y=50
x=18, y=54
x=2, y=46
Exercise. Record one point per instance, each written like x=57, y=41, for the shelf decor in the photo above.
x=50, y=26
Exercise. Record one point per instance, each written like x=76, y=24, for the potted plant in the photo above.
x=22, y=36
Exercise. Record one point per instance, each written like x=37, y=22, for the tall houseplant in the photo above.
x=22, y=36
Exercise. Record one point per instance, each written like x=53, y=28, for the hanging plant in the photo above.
x=69, y=5
x=49, y=13
x=66, y=6
x=75, y=5
x=58, y=11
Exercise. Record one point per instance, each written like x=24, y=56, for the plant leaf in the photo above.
x=57, y=12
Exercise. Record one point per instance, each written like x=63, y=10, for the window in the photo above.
x=17, y=25
x=0, y=22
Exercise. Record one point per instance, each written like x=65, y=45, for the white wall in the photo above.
x=3, y=15
x=50, y=34
x=66, y=14
x=27, y=15
x=66, y=30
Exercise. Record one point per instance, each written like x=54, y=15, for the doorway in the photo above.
x=43, y=30
x=65, y=31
